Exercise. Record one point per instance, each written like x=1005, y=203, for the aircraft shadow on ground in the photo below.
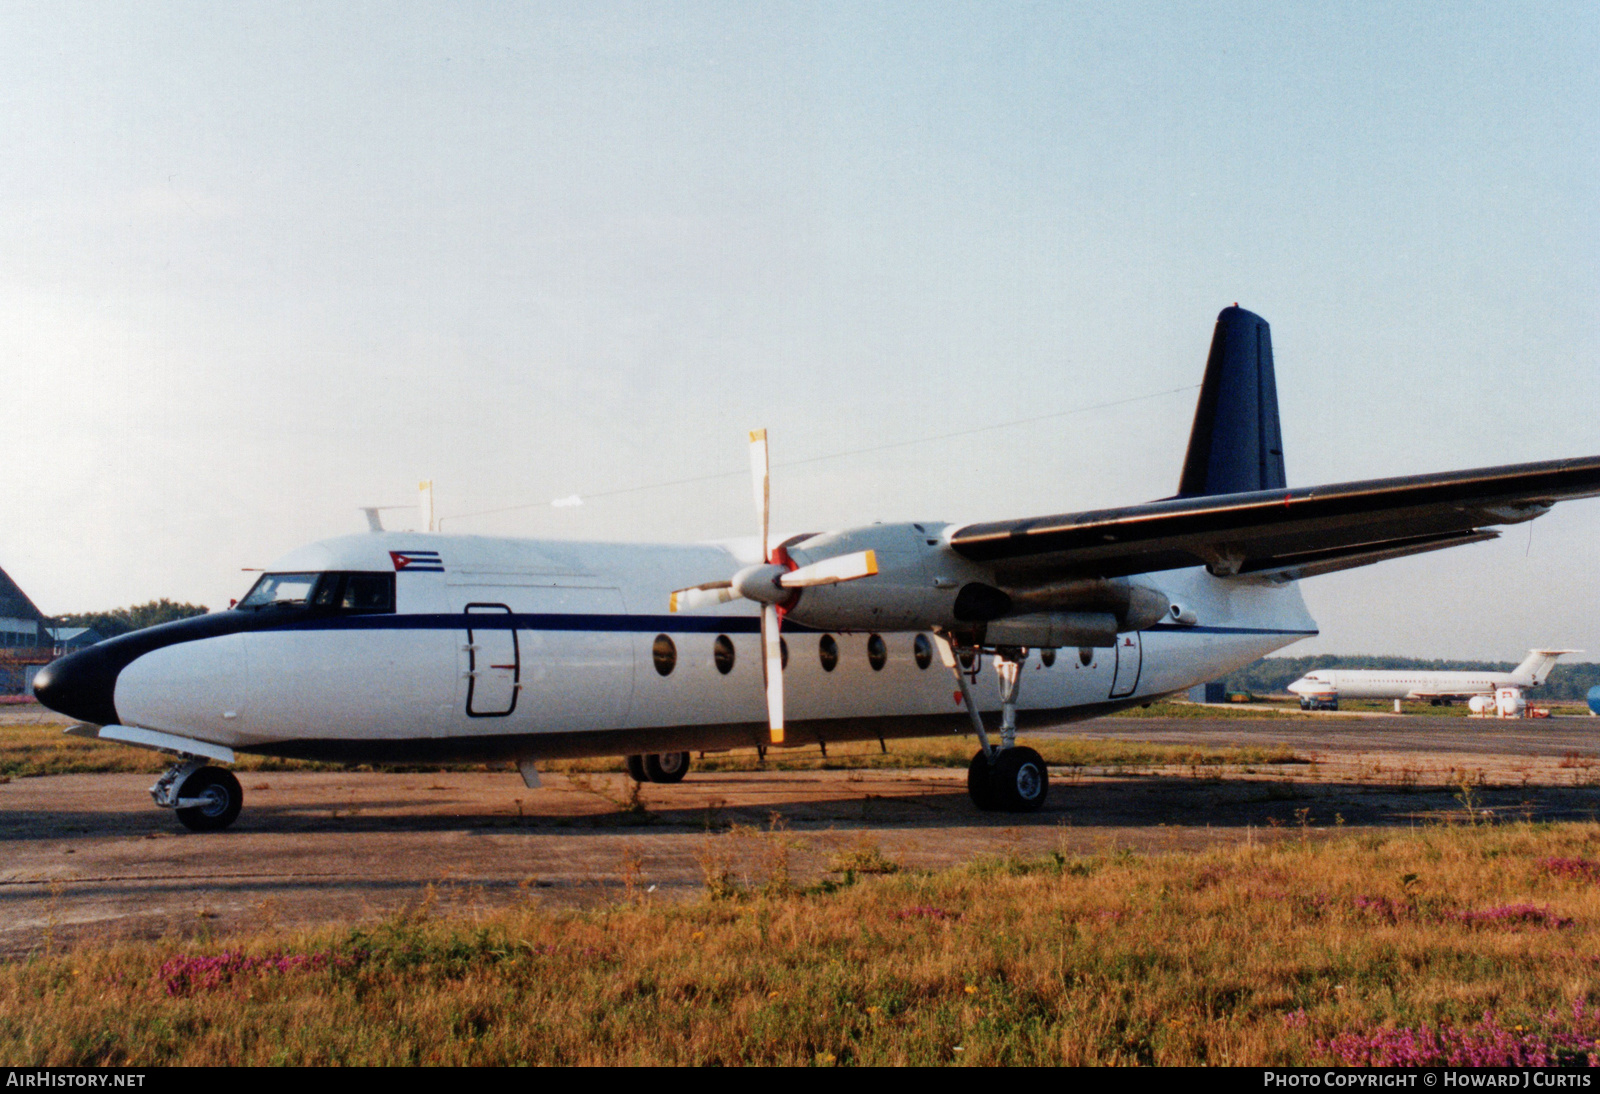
x=1127, y=802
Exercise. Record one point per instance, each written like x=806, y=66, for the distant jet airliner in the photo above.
x=407, y=647
x=1331, y=685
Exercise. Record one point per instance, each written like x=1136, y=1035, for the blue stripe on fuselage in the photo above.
x=549, y=621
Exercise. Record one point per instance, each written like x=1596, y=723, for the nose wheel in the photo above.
x=206, y=799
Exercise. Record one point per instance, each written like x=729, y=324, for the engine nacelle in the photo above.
x=916, y=586
x=922, y=584
x=1053, y=630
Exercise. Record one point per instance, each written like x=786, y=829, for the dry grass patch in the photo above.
x=43, y=749
x=1297, y=952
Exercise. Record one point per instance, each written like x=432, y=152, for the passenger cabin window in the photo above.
x=877, y=653
x=922, y=650
x=722, y=654
x=828, y=653
x=1047, y=657
x=334, y=592
x=665, y=655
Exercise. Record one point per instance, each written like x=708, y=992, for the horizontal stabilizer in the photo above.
x=1537, y=665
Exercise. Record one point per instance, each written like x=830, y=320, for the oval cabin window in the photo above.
x=877, y=653
x=922, y=650
x=1085, y=655
x=722, y=654
x=664, y=654
x=828, y=653
x=1047, y=657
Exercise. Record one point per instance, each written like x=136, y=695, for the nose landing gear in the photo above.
x=206, y=799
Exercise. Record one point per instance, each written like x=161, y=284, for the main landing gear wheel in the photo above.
x=979, y=786
x=666, y=767
x=216, y=798
x=1019, y=781
x=636, y=769
x=1016, y=781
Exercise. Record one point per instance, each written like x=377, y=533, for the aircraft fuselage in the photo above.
x=522, y=649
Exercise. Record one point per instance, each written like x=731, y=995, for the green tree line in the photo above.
x=1568, y=680
x=122, y=620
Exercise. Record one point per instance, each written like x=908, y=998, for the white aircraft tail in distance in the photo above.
x=1326, y=687
x=396, y=646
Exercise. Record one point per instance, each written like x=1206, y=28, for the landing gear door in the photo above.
x=1129, y=657
x=494, y=667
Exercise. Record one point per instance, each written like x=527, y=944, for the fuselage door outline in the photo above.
x=494, y=664
x=1125, y=676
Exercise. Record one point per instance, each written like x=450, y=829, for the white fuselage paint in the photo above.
x=1399, y=684
x=587, y=615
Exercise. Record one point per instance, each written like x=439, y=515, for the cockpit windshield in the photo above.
x=344, y=593
x=280, y=590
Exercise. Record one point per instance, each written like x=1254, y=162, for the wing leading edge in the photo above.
x=1284, y=533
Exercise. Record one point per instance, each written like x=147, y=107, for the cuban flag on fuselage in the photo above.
x=417, y=562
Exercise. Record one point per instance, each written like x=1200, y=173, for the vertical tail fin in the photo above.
x=1537, y=665
x=1236, y=445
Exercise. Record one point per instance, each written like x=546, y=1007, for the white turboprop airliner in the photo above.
x=1331, y=685
x=404, y=647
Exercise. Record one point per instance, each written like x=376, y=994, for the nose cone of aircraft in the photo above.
x=81, y=685
x=1307, y=686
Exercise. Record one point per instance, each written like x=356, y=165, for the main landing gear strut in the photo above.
x=1010, y=778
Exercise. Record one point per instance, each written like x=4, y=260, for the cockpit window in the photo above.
x=345, y=593
x=280, y=590
x=367, y=593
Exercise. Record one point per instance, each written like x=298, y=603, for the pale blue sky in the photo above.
x=263, y=264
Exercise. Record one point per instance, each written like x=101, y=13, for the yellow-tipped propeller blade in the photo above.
x=761, y=478
x=702, y=596
x=831, y=571
x=772, y=669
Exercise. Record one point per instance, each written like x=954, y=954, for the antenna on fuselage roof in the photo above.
x=374, y=521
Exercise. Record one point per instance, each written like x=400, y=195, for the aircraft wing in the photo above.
x=1282, y=533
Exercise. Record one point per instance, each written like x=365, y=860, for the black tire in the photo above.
x=223, y=800
x=980, y=784
x=1019, y=781
x=666, y=767
x=636, y=769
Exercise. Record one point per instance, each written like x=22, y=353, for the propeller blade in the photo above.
x=772, y=670
x=831, y=571
x=763, y=484
x=702, y=596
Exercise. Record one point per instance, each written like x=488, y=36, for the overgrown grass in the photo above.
x=1297, y=952
x=32, y=750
